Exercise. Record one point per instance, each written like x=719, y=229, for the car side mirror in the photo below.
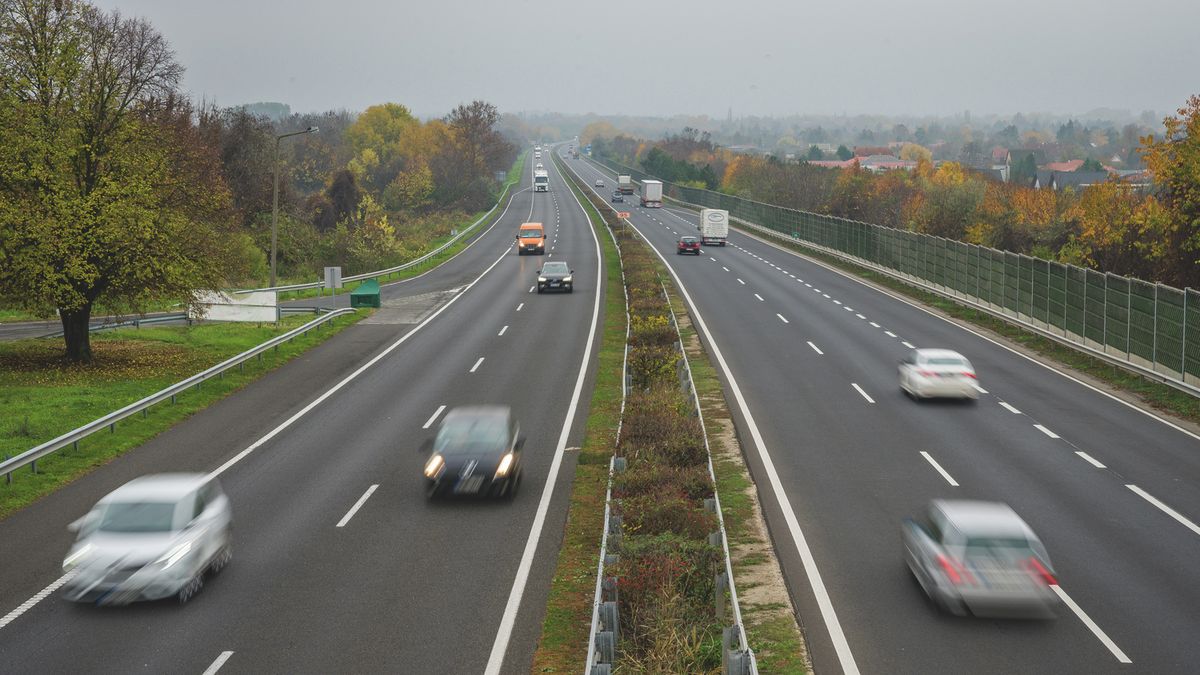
x=543, y=236
x=516, y=236
x=572, y=271
x=426, y=446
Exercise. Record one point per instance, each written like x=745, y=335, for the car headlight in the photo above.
x=506, y=465
x=541, y=280
x=434, y=466
x=77, y=557
x=174, y=555
x=567, y=279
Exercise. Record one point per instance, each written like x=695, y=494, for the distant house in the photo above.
x=999, y=154
x=1070, y=165
x=868, y=150
x=1048, y=179
x=1015, y=156
x=834, y=163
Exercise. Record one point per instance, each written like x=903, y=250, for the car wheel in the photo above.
x=191, y=588
x=539, y=290
x=571, y=289
x=224, y=556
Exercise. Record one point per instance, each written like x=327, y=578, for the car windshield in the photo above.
x=526, y=234
x=138, y=517
x=688, y=240
x=945, y=361
x=555, y=268
x=470, y=435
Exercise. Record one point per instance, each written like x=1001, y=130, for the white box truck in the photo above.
x=652, y=194
x=714, y=226
x=625, y=185
x=541, y=180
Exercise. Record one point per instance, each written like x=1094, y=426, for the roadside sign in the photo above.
x=622, y=214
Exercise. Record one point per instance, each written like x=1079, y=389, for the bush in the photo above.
x=655, y=514
x=651, y=329
x=691, y=482
x=658, y=427
x=650, y=366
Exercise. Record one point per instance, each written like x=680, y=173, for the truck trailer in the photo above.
x=625, y=185
x=714, y=226
x=541, y=180
x=652, y=193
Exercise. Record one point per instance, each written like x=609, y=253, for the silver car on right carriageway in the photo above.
x=938, y=373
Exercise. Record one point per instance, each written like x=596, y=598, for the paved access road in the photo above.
x=340, y=563
x=837, y=452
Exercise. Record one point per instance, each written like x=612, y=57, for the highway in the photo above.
x=808, y=358
x=340, y=563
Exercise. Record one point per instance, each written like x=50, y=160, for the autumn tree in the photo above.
x=100, y=195
x=1171, y=217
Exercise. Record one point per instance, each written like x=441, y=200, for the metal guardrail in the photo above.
x=391, y=270
x=31, y=456
x=1149, y=328
x=135, y=322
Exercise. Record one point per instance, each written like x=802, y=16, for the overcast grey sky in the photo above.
x=661, y=57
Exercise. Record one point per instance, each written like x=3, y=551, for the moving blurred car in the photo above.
x=477, y=451
x=618, y=197
x=928, y=373
x=539, y=166
x=980, y=558
x=599, y=183
x=556, y=276
x=152, y=538
x=688, y=245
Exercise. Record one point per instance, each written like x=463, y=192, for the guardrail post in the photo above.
x=33, y=464
x=721, y=583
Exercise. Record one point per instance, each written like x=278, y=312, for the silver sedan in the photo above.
x=929, y=373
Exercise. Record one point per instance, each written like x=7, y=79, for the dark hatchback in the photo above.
x=618, y=197
x=556, y=276
x=476, y=453
x=688, y=245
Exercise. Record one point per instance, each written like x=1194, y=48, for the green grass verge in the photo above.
x=562, y=647
x=43, y=397
x=1156, y=395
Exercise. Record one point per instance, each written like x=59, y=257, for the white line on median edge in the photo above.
x=357, y=505
x=939, y=468
x=509, y=618
x=434, y=416
x=1148, y=497
x=864, y=394
x=1090, y=460
x=1087, y=621
x=216, y=665
x=815, y=348
x=476, y=366
x=836, y=635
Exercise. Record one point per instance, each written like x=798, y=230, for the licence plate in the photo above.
x=554, y=283
x=469, y=485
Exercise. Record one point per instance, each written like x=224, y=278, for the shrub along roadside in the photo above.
x=43, y=397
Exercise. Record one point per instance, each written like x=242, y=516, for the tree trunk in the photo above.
x=75, y=332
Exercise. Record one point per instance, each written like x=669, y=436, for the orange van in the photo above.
x=531, y=238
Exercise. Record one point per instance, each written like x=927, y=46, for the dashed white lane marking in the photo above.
x=945, y=474
x=781, y=317
x=848, y=309
x=1090, y=460
x=357, y=505
x=520, y=306
x=531, y=288
x=1139, y=492
x=1046, y=431
x=502, y=331
x=760, y=298
x=791, y=275
x=712, y=258
x=1087, y=621
x=41, y=595
x=824, y=294
x=724, y=268
x=808, y=285
x=741, y=282
x=836, y=302
x=908, y=344
x=889, y=333
x=815, y=348
x=216, y=665
x=434, y=416
x=979, y=389
x=864, y=394
x=476, y=366
x=1009, y=408
x=874, y=325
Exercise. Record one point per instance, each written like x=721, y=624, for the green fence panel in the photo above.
x=995, y=277
x=1041, y=289
x=1076, y=293
x=1168, y=327
x=1056, y=294
x=1141, y=319
x=1116, y=313
x=1012, y=284
x=1094, y=306
x=1191, y=335
x=1025, y=285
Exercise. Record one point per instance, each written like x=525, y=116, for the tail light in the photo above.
x=926, y=373
x=955, y=571
x=1039, y=570
x=967, y=373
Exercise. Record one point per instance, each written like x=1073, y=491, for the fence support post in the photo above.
x=1183, y=340
x=1104, y=318
x=1154, y=333
x=1129, y=314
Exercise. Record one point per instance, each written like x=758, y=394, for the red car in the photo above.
x=688, y=245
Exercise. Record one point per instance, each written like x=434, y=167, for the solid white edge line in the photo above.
x=216, y=665
x=945, y=474
x=977, y=334
x=502, y=332
x=476, y=366
x=1046, y=431
x=434, y=416
x=781, y=317
x=38, y=597
x=815, y=348
x=504, y=633
x=1161, y=506
x=1090, y=460
x=1091, y=625
x=864, y=394
x=836, y=635
x=357, y=505
x=1007, y=406
x=359, y=371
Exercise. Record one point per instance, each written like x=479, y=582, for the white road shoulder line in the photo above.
x=945, y=474
x=1007, y=406
x=864, y=394
x=1046, y=431
x=1087, y=621
x=477, y=364
x=1144, y=495
x=216, y=665
x=1090, y=460
x=434, y=416
x=357, y=505
x=815, y=348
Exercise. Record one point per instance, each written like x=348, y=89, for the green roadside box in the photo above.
x=366, y=295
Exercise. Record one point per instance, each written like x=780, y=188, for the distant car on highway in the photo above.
x=477, y=452
x=154, y=537
x=599, y=183
x=980, y=558
x=556, y=276
x=688, y=245
x=617, y=197
x=539, y=166
x=929, y=373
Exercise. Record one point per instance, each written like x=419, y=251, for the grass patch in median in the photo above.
x=562, y=647
x=44, y=397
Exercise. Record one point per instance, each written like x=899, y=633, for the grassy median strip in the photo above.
x=43, y=397
x=1156, y=395
x=563, y=645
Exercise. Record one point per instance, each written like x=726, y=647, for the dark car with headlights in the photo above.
x=477, y=452
x=556, y=276
x=618, y=196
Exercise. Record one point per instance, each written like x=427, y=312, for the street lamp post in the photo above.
x=275, y=198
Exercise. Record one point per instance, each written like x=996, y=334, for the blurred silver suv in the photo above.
x=154, y=537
